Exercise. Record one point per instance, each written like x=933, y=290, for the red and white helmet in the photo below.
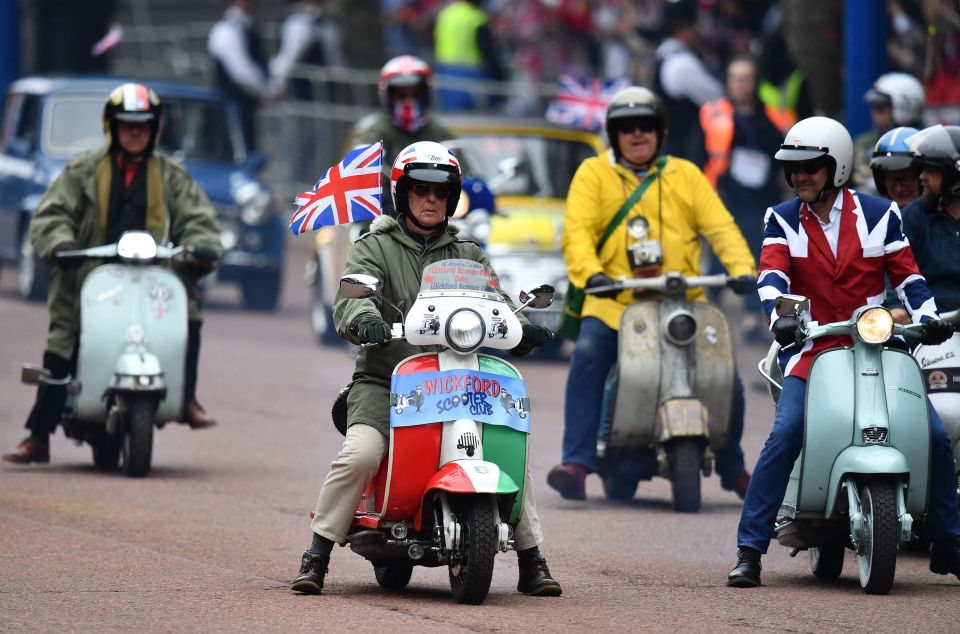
x=428, y=162
x=404, y=70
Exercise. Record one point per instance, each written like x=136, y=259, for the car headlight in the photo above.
x=875, y=325
x=254, y=203
x=681, y=328
x=465, y=330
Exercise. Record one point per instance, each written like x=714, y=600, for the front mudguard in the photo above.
x=862, y=463
x=469, y=477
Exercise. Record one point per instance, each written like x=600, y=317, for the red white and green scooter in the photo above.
x=450, y=488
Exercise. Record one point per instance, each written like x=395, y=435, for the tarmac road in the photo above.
x=210, y=539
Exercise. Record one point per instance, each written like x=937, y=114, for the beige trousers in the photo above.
x=358, y=461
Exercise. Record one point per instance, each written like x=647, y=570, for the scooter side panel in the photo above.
x=505, y=446
x=113, y=298
x=941, y=371
x=714, y=369
x=828, y=427
x=413, y=455
x=635, y=410
x=909, y=422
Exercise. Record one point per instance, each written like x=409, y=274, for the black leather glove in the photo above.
x=742, y=284
x=66, y=263
x=601, y=279
x=370, y=328
x=935, y=332
x=201, y=259
x=533, y=337
x=786, y=330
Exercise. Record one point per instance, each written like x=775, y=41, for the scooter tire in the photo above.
x=826, y=562
x=877, y=558
x=471, y=571
x=394, y=575
x=138, y=438
x=106, y=451
x=683, y=457
x=620, y=489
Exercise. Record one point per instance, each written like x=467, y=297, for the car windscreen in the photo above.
x=518, y=165
x=201, y=130
x=192, y=128
x=72, y=124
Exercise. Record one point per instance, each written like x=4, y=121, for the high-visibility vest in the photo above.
x=456, y=34
x=716, y=119
x=782, y=99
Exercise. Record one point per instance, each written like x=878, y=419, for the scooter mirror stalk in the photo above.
x=359, y=286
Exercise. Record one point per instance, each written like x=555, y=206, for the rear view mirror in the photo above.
x=538, y=297
x=792, y=305
x=359, y=286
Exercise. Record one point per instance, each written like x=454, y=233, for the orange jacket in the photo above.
x=716, y=119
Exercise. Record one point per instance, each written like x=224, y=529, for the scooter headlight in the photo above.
x=875, y=325
x=465, y=330
x=681, y=328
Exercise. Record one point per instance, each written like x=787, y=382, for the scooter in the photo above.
x=667, y=401
x=864, y=469
x=132, y=349
x=451, y=485
x=940, y=366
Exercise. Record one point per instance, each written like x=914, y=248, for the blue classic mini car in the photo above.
x=49, y=120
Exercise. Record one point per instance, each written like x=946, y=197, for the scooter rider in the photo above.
x=425, y=184
x=128, y=184
x=894, y=173
x=406, y=94
x=821, y=245
x=680, y=207
x=932, y=223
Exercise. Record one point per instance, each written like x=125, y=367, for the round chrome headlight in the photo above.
x=681, y=328
x=465, y=330
x=254, y=202
x=875, y=325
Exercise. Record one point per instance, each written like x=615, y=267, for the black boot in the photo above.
x=313, y=567
x=746, y=574
x=535, y=577
x=945, y=557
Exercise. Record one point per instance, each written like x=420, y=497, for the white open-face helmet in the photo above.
x=428, y=162
x=814, y=137
x=903, y=93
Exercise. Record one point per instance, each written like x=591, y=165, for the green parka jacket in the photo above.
x=75, y=209
x=395, y=258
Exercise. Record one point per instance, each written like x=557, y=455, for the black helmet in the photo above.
x=132, y=103
x=635, y=102
x=939, y=146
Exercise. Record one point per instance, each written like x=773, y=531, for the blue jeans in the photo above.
x=594, y=355
x=772, y=473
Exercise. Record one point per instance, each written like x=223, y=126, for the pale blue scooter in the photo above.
x=864, y=468
x=130, y=364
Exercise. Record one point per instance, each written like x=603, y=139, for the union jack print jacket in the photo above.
x=796, y=258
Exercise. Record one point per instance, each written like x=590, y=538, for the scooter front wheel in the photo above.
x=683, y=455
x=138, y=437
x=471, y=567
x=877, y=554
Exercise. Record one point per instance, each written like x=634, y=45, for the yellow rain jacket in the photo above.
x=680, y=198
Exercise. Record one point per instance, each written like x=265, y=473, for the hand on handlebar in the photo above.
x=742, y=284
x=201, y=259
x=371, y=328
x=786, y=330
x=533, y=337
x=63, y=262
x=935, y=332
x=601, y=279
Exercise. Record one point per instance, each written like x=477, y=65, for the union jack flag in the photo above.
x=582, y=102
x=350, y=191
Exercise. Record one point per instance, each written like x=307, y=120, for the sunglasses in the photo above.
x=422, y=190
x=806, y=168
x=630, y=125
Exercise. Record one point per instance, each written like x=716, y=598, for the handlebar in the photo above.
x=669, y=282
